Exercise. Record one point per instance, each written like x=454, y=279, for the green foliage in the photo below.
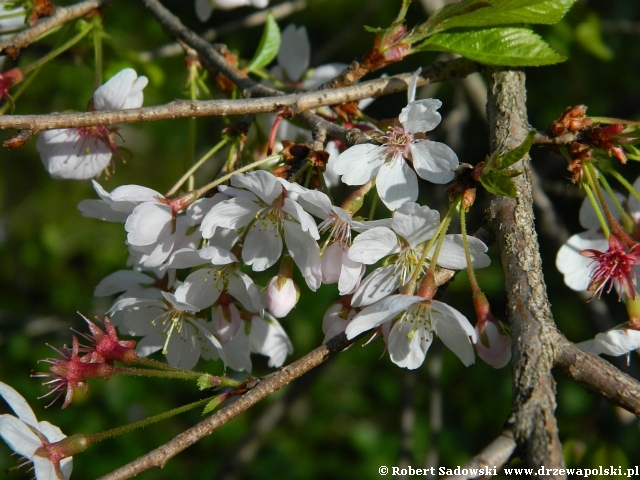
x=589, y=36
x=496, y=178
x=269, y=45
x=511, y=46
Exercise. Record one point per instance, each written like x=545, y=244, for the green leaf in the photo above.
x=589, y=36
x=509, y=12
x=497, y=183
x=512, y=156
x=269, y=45
x=453, y=10
x=511, y=46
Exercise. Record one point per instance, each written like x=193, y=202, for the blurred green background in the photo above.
x=346, y=418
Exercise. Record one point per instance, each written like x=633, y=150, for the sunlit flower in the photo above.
x=411, y=335
x=35, y=441
x=282, y=295
x=81, y=153
x=620, y=340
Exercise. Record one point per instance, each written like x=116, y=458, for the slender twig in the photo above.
x=61, y=15
x=299, y=102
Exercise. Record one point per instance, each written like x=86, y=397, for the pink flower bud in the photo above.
x=494, y=343
x=282, y=295
x=337, y=317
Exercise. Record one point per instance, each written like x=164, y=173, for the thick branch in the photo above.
x=532, y=418
x=597, y=375
x=61, y=15
x=266, y=386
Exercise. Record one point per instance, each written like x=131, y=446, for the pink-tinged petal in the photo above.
x=396, y=183
x=575, y=267
x=421, y=115
x=452, y=254
x=242, y=288
x=295, y=52
x=148, y=223
x=19, y=436
x=374, y=244
x=303, y=248
x=121, y=281
x=263, y=245
x=493, y=346
x=67, y=154
x=201, y=288
x=282, y=296
x=262, y=183
x=46, y=470
x=268, y=338
x=407, y=347
x=226, y=321
x=306, y=221
x=434, y=161
x=360, y=163
x=378, y=313
x=379, y=284
x=18, y=404
x=415, y=223
x=233, y=213
x=332, y=263
x=454, y=330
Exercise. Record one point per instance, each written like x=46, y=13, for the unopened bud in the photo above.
x=282, y=295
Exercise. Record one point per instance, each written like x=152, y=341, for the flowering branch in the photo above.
x=61, y=16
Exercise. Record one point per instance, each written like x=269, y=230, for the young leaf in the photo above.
x=512, y=156
x=509, y=12
x=269, y=45
x=511, y=46
x=497, y=183
x=442, y=16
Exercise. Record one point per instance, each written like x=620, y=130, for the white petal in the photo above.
x=350, y=275
x=149, y=222
x=45, y=469
x=306, y=221
x=150, y=344
x=434, y=161
x=302, y=247
x=396, y=183
x=322, y=74
x=18, y=436
x=101, y=210
x=201, y=288
x=332, y=263
x=380, y=312
x=114, y=94
x=183, y=349
x=415, y=223
x=134, y=193
x=121, y=281
x=411, y=91
x=295, y=52
x=237, y=351
x=316, y=203
x=454, y=330
x=452, y=254
x=242, y=288
x=136, y=97
x=588, y=217
x=615, y=342
x=217, y=255
x=233, y=213
x=575, y=267
x=634, y=203
x=360, y=163
x=203, y=10
x=53, y=433
x=408, y=348
x=262, y=183
x=269, y=338
x=421, y=115
x=379, y=284
x=263, y=245
x=374, y=244
x=185, y=258
x=18, y=404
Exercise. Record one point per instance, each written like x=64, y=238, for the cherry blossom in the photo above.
x=411, y=227
x=494, y=343
x=260, y=205
x=577, y=268
x=33, y=440
x=411, y=335
x=403, y=149
x=282, y=295
x=204, y=8
x=337, y=317
x=81, y=153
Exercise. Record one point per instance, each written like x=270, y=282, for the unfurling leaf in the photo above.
x=269, y=45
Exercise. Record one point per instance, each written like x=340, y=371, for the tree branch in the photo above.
x=532, y=418
x=60, y=16
x=496, y=454
x=265, y=387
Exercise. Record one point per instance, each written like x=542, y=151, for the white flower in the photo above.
x=577, y=268
x=620, y=340
x=169, y=325
x=204, y=8
x=282, y=295
x=32, y=439
x=336, y=318
x=266, y=213
x=81, y=153
x=389, y=163
x=411, y=227
x=411, y=335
